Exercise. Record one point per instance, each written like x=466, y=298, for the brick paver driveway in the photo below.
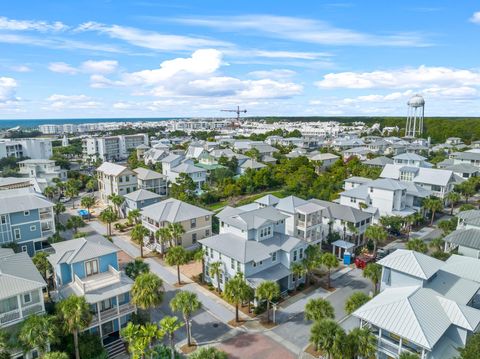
x=254, y=346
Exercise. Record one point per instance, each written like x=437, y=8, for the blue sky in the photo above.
x=145, y=58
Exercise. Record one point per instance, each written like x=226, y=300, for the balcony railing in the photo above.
x=392, y=347
x=32, y=309
x=10, y=316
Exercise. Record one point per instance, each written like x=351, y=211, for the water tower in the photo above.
x=416, y=109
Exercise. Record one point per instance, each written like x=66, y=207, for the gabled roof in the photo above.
x=462, y=266
x=470, y=214
x=187, y=167
x=146, y=174
x=413, y=263
x=172, y=210
x=18, y=274
x=409, y=157
x=171, y=158
x=463, y=168
x=112, y=169
x=289, y=204
x=253, y=219
x=324, y=157
x=252, y=164
x=418, y=314
x=81, y=249
x=342, y=212
x=469, y=238
x=268, y=200
x=22, y=199
x=141, y=195
x=379, y=161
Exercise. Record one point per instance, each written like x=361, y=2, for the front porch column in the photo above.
x=118, y=305
x=99, y=322
x=400, y=341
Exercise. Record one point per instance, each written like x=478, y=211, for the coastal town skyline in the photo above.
x=182, y=59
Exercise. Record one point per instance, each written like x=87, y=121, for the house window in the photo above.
x=194, y=238
x=301, y=253
x=34, y=354
x=105, y=304
x=211, y=253
x=207, y=232
x=274, y=256
x=371, y=190
x=9, y=304
x=260, y=263
x=207, y=218
x=238, y=266
x=27, y=298
x=91, y=267
x=254, y=264
x=26, y=213
x=193, y=223
x=232, y=263
x=3, y=219
x=222, y=224
x=295, y=255
x=33, y=228
x=17, y=234
x=24, y=248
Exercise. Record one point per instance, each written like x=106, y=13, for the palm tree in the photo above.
x=453, y=198
x=355, y=301
x=176, y=231
x=58, y=208
x=361, y=343
x=164, y=235
x=149, y=333
x=38, y=331
x=137, y=235
x=311, y=260
x=55, y=355
x=409, y=221
x=91, y=185
x=318, y=309
x=168, y=326
x=74, y=222
x=200, y=256
x=215, y=270
x=137, y=267
x=433, y=205
x=236, y=291
x=50, y=192
x=208, y=353
x=437, y=244
x=88, y=202
x=74, y=313
x=407, y=355
x=377, y=234
x=117, y=201
x=187, y=303
x=373, y=271
x=147, y=291
x=177, y=256
x=72, y=191
x=134, y=216
x=417, y=245
x=43, y=265
x=323, y=335
x=298, y=270
x=329, y=261
x=108, y=216
x=4, y=344
x=268, y=290
x=133, y=336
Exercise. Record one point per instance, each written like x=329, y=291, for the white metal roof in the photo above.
x=414, y=263
x=172, y=210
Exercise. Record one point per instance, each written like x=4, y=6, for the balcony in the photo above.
x=14, y=315
x=391, y=347
x=32, y=309
x=11, y=316
x=99, y=280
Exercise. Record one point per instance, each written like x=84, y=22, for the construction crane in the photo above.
x=237, y=111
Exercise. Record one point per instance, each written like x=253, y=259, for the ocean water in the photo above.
x=35, y=123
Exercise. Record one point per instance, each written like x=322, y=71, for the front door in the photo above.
x=107, y=328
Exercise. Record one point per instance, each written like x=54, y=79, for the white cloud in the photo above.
x=62, y=68
x=90, y=66
x=275, y=74
x=149, y=39
x=299, y=55
x=99, y=67
x=403, y=78
x=8, y=87
x=305, y=30
x=198, y=76
x=61, y=102
x=475, y=17
x=20, y=68
x=31, y=25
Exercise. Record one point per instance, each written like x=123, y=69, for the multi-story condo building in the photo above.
x=43, y=170
x=26, y=218
x=89, y=267
x=384, y=197
x=255, y=243
x=21, y=295
x=426, y=307
x=112, y=148
x=196, y=222
x=115, y=179
x=304, y=218
x=439, y=181
x=34, y=148
x=152, y=181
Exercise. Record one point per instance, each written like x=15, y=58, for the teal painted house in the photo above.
x=26, y=218
x=89, y=267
